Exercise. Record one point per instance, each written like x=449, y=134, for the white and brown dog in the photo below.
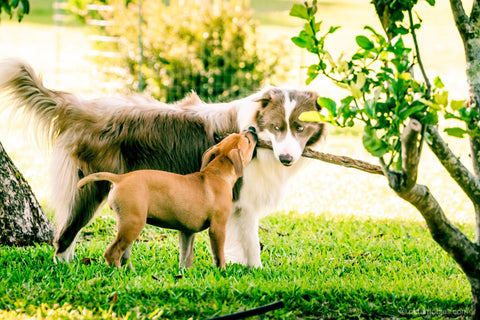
x=187, y=203
x=124, y=134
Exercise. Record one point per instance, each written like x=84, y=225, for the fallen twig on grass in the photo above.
x=252, y=312
x=333, y=159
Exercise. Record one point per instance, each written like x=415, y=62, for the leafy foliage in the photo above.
x=382, y=93
x=15, y=7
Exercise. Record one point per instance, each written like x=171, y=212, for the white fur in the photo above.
x=287, y=146
x=67, y=255
x=264, y=182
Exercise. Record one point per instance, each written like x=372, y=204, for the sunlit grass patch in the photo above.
x=318, y=265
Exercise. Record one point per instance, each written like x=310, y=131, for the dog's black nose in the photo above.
x=286, y=159
x=253, y=131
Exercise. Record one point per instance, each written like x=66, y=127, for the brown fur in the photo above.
x=121, y=134
x=188, y=203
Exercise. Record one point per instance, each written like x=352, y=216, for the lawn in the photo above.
x=319, y=266
x=341, y=246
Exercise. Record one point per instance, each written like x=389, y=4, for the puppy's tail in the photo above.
x=22, y=91
x=99, y=176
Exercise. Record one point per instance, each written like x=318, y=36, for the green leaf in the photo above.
x=299, y=11
x=14, y=3
x=333, y=29
x=441, y=98
x=412, y=109
x=25, y=6
x=456, y=132
x=299, y=42
x=310, y=116
x=358, y=56
x=438, y=82
x=6, y=8
x=372, y=143
x=457, y=104
x=401, y=30
x=364, y=43
x=369, y=108
x=431, y=118
x=328, y=104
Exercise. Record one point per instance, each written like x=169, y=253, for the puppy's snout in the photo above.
x=253, y=131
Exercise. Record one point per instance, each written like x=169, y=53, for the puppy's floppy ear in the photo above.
x=208, y=156
x=237, y=161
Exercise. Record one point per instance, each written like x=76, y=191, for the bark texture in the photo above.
x=468, y=27
x=22, y=221
x=464, y=251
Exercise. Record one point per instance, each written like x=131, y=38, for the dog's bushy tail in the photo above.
x=99, y=176
x=22, y=92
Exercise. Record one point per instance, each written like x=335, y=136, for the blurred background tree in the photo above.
x=210, y=47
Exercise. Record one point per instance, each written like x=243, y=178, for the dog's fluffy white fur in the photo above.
x=123, y=134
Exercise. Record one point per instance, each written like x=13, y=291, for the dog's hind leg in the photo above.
x=87, y=201
x=186, y=249
x=131, y=220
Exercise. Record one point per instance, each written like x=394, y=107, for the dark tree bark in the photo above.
x=22, y=221
x=464, y=251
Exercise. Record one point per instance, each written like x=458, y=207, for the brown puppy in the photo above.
x=188, y=203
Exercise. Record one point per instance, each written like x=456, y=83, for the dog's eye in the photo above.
x=276, y=128
x=300, y=129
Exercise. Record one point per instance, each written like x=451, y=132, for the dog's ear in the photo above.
x=266, y=98
x=237, y=161
x=208, y=156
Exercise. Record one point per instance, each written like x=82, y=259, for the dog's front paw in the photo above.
x=64, y=257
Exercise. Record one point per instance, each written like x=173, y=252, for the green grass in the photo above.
x=319, y=266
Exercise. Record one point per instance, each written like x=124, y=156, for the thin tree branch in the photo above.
x=410, y=152
x=403, y=181
x=475, y=13
x=461, y=19
x=333, y=159
x=419, y=59
x=383, y=13
x=469, y=183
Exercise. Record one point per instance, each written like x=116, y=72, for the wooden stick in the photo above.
x=333, y=159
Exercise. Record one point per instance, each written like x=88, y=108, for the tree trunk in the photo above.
x=469, y=28
x=22, y=221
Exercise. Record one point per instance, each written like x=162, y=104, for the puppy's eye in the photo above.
x=276, y=128
x=300, y=129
